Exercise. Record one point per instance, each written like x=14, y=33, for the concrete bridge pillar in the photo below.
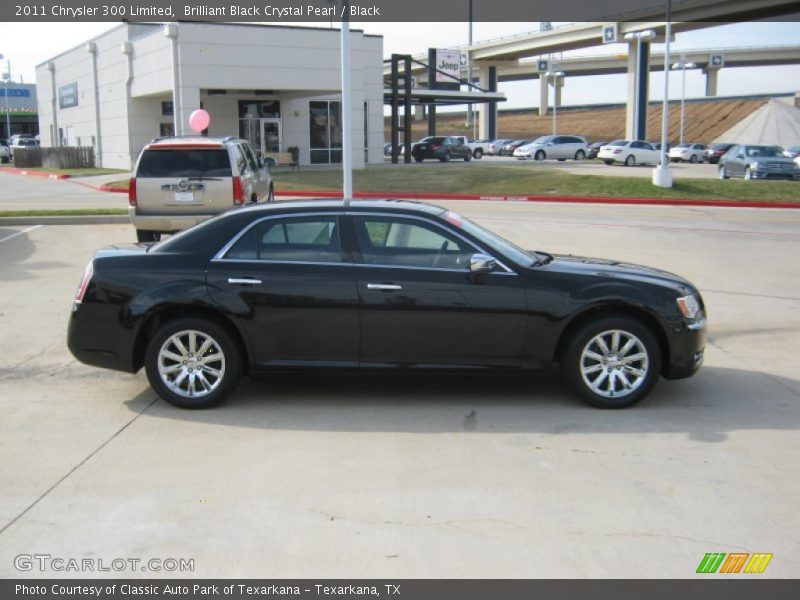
x=638, y=75
x=487, y=115
x=543, y=95
x=711, y=81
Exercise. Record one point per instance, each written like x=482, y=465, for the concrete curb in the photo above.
x=34, y=173
x=67, y=220
x=524, y=198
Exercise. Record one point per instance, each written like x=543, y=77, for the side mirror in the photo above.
x=482, y=263
x=271, y=161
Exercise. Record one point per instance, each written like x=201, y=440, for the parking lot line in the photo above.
x=13, y=235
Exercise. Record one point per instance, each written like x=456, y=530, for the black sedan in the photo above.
x=593, y=149
x=714, y=152
x=378, y=285
x=440, y=148
x=508, y=149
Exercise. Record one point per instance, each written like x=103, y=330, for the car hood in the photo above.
x=620, y=270
x=769, y=159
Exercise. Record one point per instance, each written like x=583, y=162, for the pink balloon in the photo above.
x=199, y=120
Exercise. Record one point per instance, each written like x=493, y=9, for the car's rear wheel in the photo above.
x=630, y=161
x=193, y=363
x=540, y=155
x=147, y=236
x=478, y=153
x=608, y=162
x=613, y=362
x=580, y=155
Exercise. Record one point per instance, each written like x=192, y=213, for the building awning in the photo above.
x=444, y=97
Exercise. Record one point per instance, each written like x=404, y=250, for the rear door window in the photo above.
x=310, y=239
x=185, y=163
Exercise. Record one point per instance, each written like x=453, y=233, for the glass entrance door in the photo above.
x=270, y=135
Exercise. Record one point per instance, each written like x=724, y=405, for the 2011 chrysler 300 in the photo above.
x=379, y=284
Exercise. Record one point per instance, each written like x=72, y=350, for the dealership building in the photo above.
x=277, y=86
x=18, y=109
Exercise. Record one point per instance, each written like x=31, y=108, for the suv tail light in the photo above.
x=87, y=277
x=132, y=191
x=238, y=191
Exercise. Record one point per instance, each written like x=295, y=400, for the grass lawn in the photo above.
x=74, y=172
x=513, y=180
x=69, y=212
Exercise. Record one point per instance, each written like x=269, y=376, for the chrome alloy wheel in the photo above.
x=191, y=364
x=614, y=363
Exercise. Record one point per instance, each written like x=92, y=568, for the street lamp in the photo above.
x=683, y=64
x=639, y=36
x=554, y=76
x=662, y=174
x=6, y=78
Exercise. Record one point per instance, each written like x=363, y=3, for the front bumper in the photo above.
x=687, y=343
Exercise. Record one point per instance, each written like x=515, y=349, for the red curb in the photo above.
x=105, y=188
x=16, y=171
x=565, y=199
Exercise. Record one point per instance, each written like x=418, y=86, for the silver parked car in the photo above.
x=180, y=181
x=757, y=162
x=560, y=147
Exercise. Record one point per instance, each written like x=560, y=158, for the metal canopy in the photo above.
x=445, y=97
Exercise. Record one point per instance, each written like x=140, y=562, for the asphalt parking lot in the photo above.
x=437, y=476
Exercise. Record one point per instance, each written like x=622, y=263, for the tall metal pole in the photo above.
x=662, y=175
x=347, y=134
x=555, y=103
x=7, y=78
x=470, y=115
x=683, y=96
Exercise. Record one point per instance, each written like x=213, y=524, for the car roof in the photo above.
x=328, y=204
x=191, y=141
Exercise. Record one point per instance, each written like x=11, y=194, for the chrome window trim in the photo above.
x=220, y=256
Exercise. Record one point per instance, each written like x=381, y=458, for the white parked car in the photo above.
x=560, y=147
x=629, y=152
x=692, y=153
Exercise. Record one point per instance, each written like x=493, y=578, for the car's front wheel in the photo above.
x=723, y=174
x=539, y=155
x=580, y=155
x=613, y=362
x=748, y=174
x=468, y=157
x=193, y=363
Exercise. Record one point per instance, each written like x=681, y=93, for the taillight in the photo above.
x=87, y=277
x=238, y=191
x=132, y=191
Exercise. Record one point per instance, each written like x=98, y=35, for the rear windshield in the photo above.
x=619, y=143
x=185, y=163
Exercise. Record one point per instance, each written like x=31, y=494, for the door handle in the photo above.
x=243, y=281
x=384, y=286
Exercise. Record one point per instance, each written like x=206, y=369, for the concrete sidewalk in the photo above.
x=18, y=192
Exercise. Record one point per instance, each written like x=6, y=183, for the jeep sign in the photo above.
x=448, y=66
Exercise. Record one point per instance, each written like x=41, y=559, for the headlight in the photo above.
x=755, y=165
x=689, y=306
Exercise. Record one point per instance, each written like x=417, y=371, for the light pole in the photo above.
x=554, y=76
x=639, y=36
x=6, y=78
x=682, y=64
x=662, y=174
x=470, y=115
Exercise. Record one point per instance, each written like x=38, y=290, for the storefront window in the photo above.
x=325, y=131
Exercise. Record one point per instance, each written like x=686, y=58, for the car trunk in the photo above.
x=184, y=181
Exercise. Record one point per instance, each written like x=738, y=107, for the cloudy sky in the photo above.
x=28, y=44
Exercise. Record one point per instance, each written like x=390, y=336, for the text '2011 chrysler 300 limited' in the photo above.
x=376, y=284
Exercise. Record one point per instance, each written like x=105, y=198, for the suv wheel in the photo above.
x=147, y=236
x=193, y=363
x=613, y=362
x=468, y=156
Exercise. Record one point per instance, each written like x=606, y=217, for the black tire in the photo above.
x=580, y=155
x=630, y=160
x=693, y=159
x=723, y=173
x=418, y=159
x=271, y=194
x=446, y=157
x=478, y=153
x=227, y=383
x=748, y=174
x=468, y=157
x=540, y=155
x=582, y=339
x=608, y=162
x=143, y=236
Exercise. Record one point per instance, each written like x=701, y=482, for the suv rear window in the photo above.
x=185, y=163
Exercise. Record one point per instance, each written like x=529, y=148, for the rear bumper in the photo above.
x=90, y=341
x=164, y=223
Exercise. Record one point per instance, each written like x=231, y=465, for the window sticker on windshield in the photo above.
x=454, y=219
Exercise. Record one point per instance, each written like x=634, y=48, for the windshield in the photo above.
x=542, y=140
x=494, y=241
x=763, y=152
